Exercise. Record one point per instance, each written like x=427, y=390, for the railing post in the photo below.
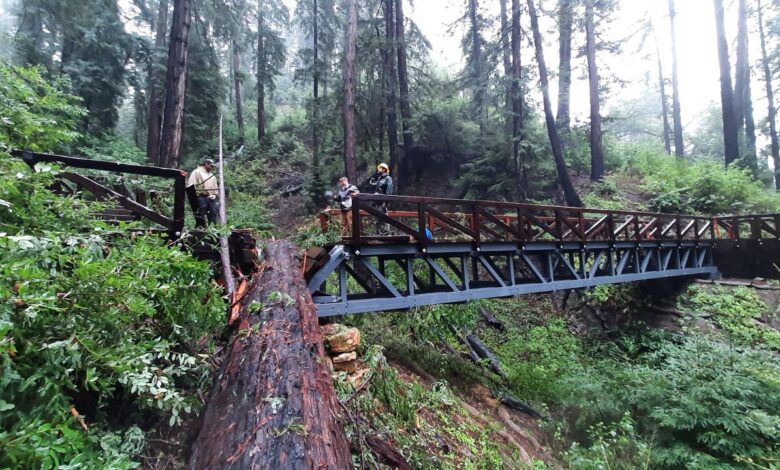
x=356, y=235
x=178, y=205
x=524, y=235
x=581, y=226
x=678, y=227
x=422, y=239
x=475, y=224
x=558, y=224
x=637, y=235
x=611, y=227
x=755, y=227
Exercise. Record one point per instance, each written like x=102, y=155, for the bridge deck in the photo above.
x=426, y=251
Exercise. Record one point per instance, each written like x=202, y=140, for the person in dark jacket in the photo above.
x=382, y=183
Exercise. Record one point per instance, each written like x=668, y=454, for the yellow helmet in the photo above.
x=383, y=165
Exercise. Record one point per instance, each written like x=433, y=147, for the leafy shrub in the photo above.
x=97, y=335
x=698, y=186
x=537, y=357
x=36, y=112
x=702, y=404
x=615, y=446
x=736, y=311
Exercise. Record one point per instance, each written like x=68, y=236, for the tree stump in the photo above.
x=273, y=405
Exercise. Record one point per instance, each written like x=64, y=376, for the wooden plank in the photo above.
x=31, y=158
x=105, y=193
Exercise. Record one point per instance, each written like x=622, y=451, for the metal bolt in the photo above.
x=357, y=252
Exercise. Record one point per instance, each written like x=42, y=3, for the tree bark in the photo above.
x=570, y=194
x=261, y=119
x=730, y=140
x=348, y=108
x=155, y=98
x=662, y=91
x=770, y=95
x=403, y=78
x=476, y=72
x=565, y=17
x=596, y=152
x=175, y=84
x=506, y=56
x=743, y=102
x=273, y=403
x=237, y=89
x=679, y=148
x=315, y=136
x=521, y=175
x=390, y=84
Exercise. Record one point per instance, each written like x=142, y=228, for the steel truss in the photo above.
x=397, y=277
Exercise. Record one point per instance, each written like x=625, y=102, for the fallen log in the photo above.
x=484, y=353
x=491, y=319
x=273, y=405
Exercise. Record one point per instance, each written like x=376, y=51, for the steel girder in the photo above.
x=396, y=277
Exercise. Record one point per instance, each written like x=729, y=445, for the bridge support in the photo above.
x=374, y=278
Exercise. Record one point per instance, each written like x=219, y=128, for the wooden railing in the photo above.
x=132, y=203
x=425, y=220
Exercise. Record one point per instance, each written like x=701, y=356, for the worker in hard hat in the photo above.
x=382, y=183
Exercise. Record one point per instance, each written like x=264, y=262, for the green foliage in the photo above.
x=736, y=311
x=95, y=332
x=36, y=112
x=537, y=357
x=247, y=194
x=701, y=403
x=699, y=186
x=616, y=446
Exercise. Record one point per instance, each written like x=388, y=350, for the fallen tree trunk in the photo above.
x=491, y=319
x=273, y=405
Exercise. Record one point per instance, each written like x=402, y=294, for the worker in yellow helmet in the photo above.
x=381, y=182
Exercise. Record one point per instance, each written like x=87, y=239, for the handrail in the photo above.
x=176, y=224
x=481, y=221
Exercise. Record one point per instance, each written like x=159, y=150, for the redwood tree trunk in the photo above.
x=730, y=133
x=155, y=97
x=662, y=90
x=679, y=148
x=770, y=95
x=743, y=102
x=390, y=84
x=565, y=17
x=260, y=73
x=506, y=56
x=237, y=88
x=348, y=110
x=175, y=84
x=476, y=71
x=517, y=106
x=403, y=78
x=596, y=152
x=273, y=404
x=570, y=194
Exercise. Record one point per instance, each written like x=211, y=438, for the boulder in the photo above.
x=331, y=329
x=348, y=367
x=345, y=357
x=346, y=341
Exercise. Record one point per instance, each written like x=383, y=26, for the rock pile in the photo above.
x=341, y=343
